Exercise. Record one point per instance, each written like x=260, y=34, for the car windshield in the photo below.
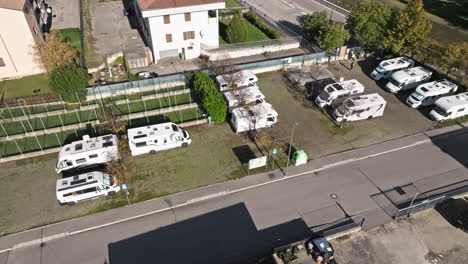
x=380, y=69
x=394, y=82
x=417, y=96
x=108, y=180
x=440, y=111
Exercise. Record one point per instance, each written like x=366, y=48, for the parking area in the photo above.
x=66, y=13
x=425, y=238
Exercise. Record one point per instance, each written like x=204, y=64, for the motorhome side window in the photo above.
x=93, y=189
x=140, y=144
x=78, y=161
x=93, y=156
x=462, y=109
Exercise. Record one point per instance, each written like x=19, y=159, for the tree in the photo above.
x=53, y=52
x=430, y=52
x=237, y=29
x=123, y=166
x=455, y=56
x=408, y=28
x=113, y=122
x=313, y=24
x=332, y=36
x=69, y=81
x=369, y=21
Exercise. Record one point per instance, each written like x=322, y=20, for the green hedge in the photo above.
x=212, y=99
x=258, y=22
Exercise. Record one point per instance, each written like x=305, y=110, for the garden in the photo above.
x=246, y=27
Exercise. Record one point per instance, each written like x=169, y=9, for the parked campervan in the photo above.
x=247, y=95
x=408, y=79
x=334, y=91
x=450, y=107
x=427, y=93
x=150, y=139
x=87, y=152
x=259, y=116
x=360, y=107
x=387, y=67
x=236, y=80
x=87, y=186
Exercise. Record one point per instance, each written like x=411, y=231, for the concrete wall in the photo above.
x=16, y=44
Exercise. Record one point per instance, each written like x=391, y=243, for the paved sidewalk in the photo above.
x=86, y=223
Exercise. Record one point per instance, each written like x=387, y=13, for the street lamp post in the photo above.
x=290, y=146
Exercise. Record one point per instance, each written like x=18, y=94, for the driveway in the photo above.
x=66, y=13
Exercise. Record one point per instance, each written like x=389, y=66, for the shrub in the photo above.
x=237, y=29
x=69, y=81
x=258, y=22
x=212, y=99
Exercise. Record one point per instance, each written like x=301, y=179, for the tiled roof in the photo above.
x=12, y=4
x=160, y=4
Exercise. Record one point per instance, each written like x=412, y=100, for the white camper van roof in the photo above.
x=260, y=110
x=152, y=131
x=237, y=76
x=366, y=100
x=411, y=72
x=436, y=87
x=342, y=86
x=454, y=100
x=94, y=177
x=396, y=63
x=88, y=144
x=251, y=93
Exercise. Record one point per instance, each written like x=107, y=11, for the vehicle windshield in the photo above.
x=108, y=180
x=380, y=69
x=417, y=96
x=60, y=164
x=185, y=134
x=324, y=95
x=342, y=109
x=395, y=82
x=440, y=111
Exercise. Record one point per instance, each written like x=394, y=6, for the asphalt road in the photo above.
x=239, y=227
x=290, y=13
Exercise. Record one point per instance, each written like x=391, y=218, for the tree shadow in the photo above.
x=244, y=153
x=131, y=13
x=455, y=144
x=455, y=211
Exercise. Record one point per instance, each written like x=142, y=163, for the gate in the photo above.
x=418, y=207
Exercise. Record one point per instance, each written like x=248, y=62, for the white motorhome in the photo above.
x=87, y=152
x=334, y=91
x=87, y=186
x=450, y=107
x=387, y=67
x=408, y=79
x=236, y=80
x=427, y=93
x=360, y=107
x=150, y=139
x=248, y=95
x=259, y=116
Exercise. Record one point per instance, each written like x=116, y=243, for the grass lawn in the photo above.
x=73, y=37
x=253, y=33
x=25, y=86
x=231, y=3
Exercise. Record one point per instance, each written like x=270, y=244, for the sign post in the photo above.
x=125, y=188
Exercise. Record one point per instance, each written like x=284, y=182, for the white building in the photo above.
x=179, y=28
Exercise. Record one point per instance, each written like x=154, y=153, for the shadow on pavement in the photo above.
x=455, y=211
x=455, y=144
x=228, y=235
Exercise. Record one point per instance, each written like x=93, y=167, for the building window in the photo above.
x=2, y=63
x=211, y=13
x=188, y=17
x=167, y=19
x=168, y=38
x=189, y=35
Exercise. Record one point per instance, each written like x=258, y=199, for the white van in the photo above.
x=259, y=116
x=150, y=139
x=334, y=91
x=360, y=107
x=408, y=79
x=238, y=79
x=387, y=67
x=248, y=95
x=450, y=107
x=87, y=186
x=427, y=93
x=87, y=152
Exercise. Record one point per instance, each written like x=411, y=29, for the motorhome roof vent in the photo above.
x=64, y=183
x=78, y=147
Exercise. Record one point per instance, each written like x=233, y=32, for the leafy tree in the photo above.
x=53, y=52
x=455, y=56
x=237, y=29
x=332, y=36
x=430, y=52
x=69, y=81
x=368, y=21
x=314, y=24
x=123, y=166
x=211, y=98
x=408, y=28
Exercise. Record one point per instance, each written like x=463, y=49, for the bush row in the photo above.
x=212, y=99
x=258, y=22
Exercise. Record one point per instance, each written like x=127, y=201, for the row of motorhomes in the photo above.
x=349, y=104
x=404, y=76
x=90, y=152
x=246, y=103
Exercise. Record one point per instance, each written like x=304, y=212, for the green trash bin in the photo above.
x=300, y=157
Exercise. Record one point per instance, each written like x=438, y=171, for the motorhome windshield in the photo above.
x=441, y=111
x=185, y=134
x=108, y=180
x=380, y=69
x=417, y=96
x=395, y=82
x=324, y=95
x=342, y=109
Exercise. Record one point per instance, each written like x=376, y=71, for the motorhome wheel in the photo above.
x=111, y=193
x=370, y=117
x=152, y=152
x=71, y=203
x=184, y=145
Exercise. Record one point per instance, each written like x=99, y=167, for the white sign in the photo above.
x=258, y=162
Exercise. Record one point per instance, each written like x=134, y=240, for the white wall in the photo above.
x=16, y=42
x=206, y=29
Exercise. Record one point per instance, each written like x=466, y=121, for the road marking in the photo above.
x=288, y=4
x=208, y=197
